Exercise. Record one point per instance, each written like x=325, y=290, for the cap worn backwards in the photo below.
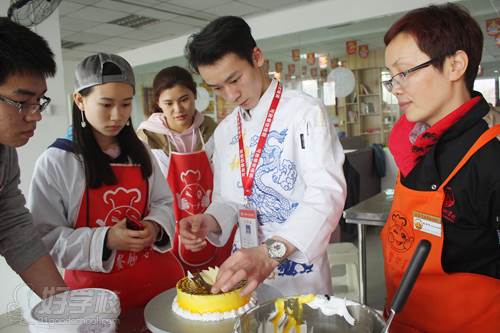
x=89, y=72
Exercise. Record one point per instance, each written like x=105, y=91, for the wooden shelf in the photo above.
x=367, y=97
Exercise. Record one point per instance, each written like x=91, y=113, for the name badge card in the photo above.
x=427, y=223
x=247, y=223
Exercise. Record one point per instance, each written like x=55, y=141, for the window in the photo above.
x=310, y=87
x=487, y=88
x=329, y=93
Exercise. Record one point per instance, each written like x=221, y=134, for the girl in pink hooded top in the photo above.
x=180, y=139
x=175, y=124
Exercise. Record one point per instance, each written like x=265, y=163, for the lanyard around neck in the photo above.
x=247, y=180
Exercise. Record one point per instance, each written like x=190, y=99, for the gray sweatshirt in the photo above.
x=19, y=242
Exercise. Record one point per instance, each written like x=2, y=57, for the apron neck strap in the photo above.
x=169, y=144
x=483, y=140
x=198, y=133
x=202, y=140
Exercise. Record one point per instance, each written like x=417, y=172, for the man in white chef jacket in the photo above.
x=277, y=170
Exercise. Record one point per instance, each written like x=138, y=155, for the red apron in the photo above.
x=137, y=277
x=190, y=179
x=439, y=302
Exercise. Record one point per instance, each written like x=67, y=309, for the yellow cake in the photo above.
x=197, y=303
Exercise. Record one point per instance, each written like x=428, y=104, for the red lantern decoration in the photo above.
x=363, y=51
x=351, y=46
x=278, y=67
x=311, y=58
x=493, y=26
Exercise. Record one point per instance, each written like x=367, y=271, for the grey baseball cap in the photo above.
x=88, y=73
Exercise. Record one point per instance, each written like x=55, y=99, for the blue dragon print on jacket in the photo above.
x=273, y=207
x=292, y=268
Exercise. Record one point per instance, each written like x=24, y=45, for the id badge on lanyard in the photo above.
x=247, y=219
x=247, y=223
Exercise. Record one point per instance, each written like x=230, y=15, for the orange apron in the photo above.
x=136, y=277
x=439, y=302
x=190, y=179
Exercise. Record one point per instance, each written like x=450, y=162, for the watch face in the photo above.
x=277, y=250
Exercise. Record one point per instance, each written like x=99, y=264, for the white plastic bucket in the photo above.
x=76, y=311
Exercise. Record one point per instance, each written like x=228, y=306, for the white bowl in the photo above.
x=76, y=311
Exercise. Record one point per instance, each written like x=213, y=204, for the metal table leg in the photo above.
x=362, y=263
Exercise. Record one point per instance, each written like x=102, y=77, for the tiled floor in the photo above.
x=14, y=329
x=12, y=323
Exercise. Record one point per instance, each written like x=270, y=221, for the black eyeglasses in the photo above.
x=400, y=78
x=24, y=107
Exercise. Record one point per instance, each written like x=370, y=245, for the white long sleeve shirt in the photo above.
x=299, y=188
x=56, y=193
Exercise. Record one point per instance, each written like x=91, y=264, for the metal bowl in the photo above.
x=367, y=320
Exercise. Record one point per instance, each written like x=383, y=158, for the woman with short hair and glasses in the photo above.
x=447, y=150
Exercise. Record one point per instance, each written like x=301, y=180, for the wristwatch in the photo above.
x=276, y=249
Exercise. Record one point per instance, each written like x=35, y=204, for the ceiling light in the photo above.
x=67, y=44
x=134, y=21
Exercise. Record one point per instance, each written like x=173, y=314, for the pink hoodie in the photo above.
x=184, y=142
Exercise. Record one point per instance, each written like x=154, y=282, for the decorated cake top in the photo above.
x=201, y=283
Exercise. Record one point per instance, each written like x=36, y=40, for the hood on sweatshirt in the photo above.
x=184, y=142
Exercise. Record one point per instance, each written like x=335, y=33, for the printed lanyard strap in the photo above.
x=248, y=180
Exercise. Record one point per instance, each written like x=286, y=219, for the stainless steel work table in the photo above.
x=372, y=211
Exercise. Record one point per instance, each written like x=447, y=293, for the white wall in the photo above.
x=55, y=121
x=54, y=124
x=306, y=17
x=69, y=83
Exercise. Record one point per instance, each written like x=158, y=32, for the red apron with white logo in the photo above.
x=190, y=179
x=137, y=277
x=439, y=301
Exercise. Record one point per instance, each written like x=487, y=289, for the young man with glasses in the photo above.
x=25, y=62
x=446, y=146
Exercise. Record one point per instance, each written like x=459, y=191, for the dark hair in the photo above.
x=226, y=34
x=440, y=31
x=97, y=164
x=23, y=52
x=168, y=78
